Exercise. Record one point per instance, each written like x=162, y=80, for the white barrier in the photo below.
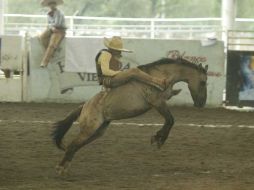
x=56, y=85
x=52, y=84
x=11, y=53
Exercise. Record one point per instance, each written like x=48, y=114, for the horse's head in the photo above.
x=198, y=86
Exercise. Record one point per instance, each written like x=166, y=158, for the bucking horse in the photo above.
x=129, y=100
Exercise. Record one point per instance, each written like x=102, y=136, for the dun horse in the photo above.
x=129, y=100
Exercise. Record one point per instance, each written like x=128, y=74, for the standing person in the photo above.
x=109, y=71
x=55, y=31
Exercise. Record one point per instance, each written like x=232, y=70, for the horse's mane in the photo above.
x=164, y=61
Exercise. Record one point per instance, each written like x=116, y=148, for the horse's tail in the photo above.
x=61, y=127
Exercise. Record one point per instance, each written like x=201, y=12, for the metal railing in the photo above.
x=241, y=40
x=175, y=28
x=178, y=28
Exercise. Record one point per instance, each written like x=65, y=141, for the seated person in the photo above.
x=55, y=31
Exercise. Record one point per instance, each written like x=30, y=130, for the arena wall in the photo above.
x=12, y=55
x=71, y=77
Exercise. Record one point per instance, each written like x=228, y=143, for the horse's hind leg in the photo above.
x=88, y=133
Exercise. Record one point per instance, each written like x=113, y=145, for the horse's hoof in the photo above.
x=159, y=145
x=60, y=170
x=153, y=139
x=63, y=147
x=158, y=140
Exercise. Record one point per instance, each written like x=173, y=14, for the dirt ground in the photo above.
x=193, y=158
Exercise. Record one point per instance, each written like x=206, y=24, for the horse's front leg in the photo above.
x=162, y=135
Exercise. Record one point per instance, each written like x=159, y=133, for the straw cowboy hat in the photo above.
x=115, y=43
x=46, y=3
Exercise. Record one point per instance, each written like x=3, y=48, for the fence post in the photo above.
x=1, y=17
x=24, y=73
x=228, y=17
x=72, y=25
x=152, y=30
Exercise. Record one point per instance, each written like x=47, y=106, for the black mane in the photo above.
x=164, y=61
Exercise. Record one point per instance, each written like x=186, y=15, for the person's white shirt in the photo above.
x=56, y=20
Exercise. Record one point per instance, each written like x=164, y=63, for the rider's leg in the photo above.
x=54, y=42
x=137, y=74
x=45, y=37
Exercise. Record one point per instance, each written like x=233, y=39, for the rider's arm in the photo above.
x=59, y=20
x=104, y=61
x=56, y=21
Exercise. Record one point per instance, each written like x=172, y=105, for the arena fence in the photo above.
x=195, y=35
x=62, y=82
x=177, y=28
x=160, y=28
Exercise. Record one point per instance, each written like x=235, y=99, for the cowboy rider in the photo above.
x=55, y=31
x=109, y=66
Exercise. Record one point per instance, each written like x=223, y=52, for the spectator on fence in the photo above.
x=55, y=32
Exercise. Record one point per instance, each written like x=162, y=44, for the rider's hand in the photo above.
x=53, y=29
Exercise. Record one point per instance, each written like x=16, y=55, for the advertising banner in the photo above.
x=246, y=77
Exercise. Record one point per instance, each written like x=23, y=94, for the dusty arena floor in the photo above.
x=208, y=149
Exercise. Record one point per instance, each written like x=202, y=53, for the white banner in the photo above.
x=80, y=54
x=11, y=52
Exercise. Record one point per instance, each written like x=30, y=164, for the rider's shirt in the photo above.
x=56, y=19
x=109, y=65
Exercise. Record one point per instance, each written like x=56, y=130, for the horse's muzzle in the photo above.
x=200, y=103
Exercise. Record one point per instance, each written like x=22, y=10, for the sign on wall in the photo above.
x=80, y=54
x=240, y=78
x=246, y=77
x=11, y=52
x=54, y=83
x=11, y=58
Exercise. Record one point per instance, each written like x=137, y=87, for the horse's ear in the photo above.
x=206, y=67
